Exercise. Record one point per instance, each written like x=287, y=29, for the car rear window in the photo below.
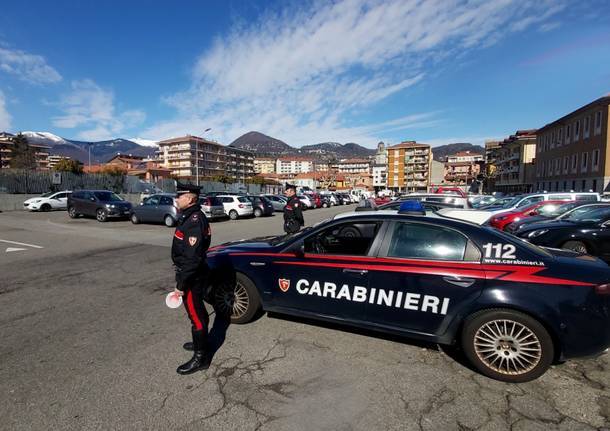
x=243, y=199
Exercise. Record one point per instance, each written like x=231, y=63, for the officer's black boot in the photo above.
x=201, y=358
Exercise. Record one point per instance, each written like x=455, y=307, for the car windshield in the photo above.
x=555, y=210
x=46, y=195
x=108, y=197
x=509, y=202
x=278, y=240
x=591, y=214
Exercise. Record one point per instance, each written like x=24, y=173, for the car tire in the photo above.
x=134, y=218
x=258, y=212
x=577, y=246
x=239, y=301
x=490, y=344
x=233, y=215
x=169, y=220
x=45, y=207
x=72, y=212
x=101, y=215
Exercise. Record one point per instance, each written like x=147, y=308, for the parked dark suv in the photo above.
x=100, y=204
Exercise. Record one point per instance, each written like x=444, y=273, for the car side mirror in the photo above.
x=92, y=199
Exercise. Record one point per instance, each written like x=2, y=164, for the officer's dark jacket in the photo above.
x=293, y=215
x=190, y=244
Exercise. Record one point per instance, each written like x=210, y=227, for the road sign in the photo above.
x=56, y=178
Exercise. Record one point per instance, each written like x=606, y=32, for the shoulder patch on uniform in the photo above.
x=192, y=240
x=296, y=204
x=195, y=217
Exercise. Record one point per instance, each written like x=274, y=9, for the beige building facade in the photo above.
x=409, y=167
x=572, y=152
x=515, y=163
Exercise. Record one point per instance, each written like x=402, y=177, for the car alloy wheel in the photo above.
x=239, y=301
x=233, y=215
x=45, y=207
x=72, y=212
x=169, y=221
x=257, y=212
x=101, y=215
x=507, y=345
x=577, y=246
x=134, y=218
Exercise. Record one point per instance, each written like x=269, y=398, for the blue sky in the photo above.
x=435, y=71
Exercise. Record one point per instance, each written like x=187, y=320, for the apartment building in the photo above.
x=380, y=176
x=240, y=164
x=264, y=165
x=464, y=156
x=193, y=159
x=41, y=152
x=409, y=167
x=294, y=165
x=462, y=168
x=572, y=152
x=515, y=163
x=351, y=166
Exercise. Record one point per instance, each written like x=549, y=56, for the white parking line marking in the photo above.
x=21, y=243
x=10, y=249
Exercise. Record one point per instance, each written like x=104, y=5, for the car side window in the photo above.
x=529, y=201
x=166, y=200
x=153, y=200
x=351, y=238
x=421, y=241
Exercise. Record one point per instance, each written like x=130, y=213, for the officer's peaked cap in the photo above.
x=290, y=186
x=182, y=188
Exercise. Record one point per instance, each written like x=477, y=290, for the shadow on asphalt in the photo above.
x=453, y=351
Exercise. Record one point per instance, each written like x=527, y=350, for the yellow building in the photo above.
x=409, y=167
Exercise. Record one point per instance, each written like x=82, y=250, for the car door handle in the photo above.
x=355, y=271
x=257, y=264
x=460, y=281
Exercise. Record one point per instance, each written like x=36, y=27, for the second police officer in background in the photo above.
x=190, y=244
x=293, y=211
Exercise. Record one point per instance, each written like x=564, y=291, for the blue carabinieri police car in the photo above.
x=514, y=308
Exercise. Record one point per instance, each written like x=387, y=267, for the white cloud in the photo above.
x=296, y=75
x=549, y=26
x=27, y=67
x=5, y=117
x=92, y=107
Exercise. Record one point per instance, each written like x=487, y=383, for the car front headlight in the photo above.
x=535, y=233
x=109, y=206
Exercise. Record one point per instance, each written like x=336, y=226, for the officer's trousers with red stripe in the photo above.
x=195, y=308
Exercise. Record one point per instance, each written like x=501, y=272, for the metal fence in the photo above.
x=17, y=181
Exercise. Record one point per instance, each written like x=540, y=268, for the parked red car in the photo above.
x=382, y=200
x=316, y=199
x=500, y=221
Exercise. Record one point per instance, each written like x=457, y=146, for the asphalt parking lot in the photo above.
x=88, y=343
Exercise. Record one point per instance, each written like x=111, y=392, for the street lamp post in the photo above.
x=197, y=155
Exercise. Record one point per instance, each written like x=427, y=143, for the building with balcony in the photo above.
x=380, y=176
x=41, y=152
x=240, y=164
x=351, y=166
x=293, y=165
x=572, y=152
x=264, y=165
x=462, y=168
x=191, y=158
x=464, y=156
x=409, y=167
x=55, y=159
x=515, y=163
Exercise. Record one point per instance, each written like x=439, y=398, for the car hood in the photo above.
x=263, y=243
x=552, y=224
x=30, y=200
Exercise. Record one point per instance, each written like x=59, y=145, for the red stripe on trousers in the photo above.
x=192, y=312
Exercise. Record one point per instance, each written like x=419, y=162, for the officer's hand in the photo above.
x=178, y=292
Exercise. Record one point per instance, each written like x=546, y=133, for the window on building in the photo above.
x=598, y=123
x=574, y=162
x=587, y=124
x=577, y=130
x=584, y=186
x=560, y=137
x=594, y=185
x=584, y=161
x=557, y=166
x=566, y=164
x=595, y=161
x=565, y=186
x=573, y=185
x=568, y=133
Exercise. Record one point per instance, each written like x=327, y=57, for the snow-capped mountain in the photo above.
x=144, y=142
x=100, y=151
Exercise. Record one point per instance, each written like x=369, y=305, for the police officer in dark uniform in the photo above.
x=293, y=211
x=191, y=241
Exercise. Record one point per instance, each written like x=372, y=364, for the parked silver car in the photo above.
x=158, y=208
x=278, y=202
x=212, y=207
